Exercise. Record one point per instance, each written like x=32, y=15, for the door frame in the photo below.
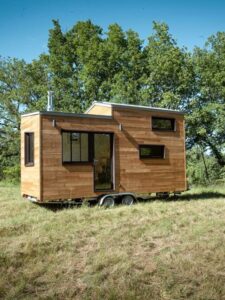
x=91, y=154
x=112, y=162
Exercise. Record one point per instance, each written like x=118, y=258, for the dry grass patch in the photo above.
x=154, y=250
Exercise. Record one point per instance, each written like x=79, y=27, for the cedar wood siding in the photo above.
x=149, y=175
x=30, y=176
x=101, y=110
x=53, y=180
x=66, y=181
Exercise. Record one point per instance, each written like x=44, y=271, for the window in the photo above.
x=165, y=124
x=151, y=151
x=29, y=148
x=75, y=147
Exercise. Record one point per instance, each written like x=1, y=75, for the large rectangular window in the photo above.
x=29, y=148
x=164, y=124
x=151, y=151
x=75, y=147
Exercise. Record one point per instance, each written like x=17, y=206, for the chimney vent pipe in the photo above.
x=50, y=106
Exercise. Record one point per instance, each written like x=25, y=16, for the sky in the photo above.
x=24, y=24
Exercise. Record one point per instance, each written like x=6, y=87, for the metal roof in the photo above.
x=121, y=105
x=107, y=104
x=63, y=114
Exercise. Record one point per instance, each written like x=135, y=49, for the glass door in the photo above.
x=103, y=165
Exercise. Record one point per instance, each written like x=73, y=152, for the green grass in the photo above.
x=153, y=250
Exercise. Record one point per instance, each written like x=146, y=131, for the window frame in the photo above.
x=111, y=159
x=90, y=142
x=150, y=157
x=90, y=145
x=28, y=158
x=164, y=129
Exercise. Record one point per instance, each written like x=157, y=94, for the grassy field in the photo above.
x=155, y=250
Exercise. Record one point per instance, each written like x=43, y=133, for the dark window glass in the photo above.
x=163, y=124
x=75, y=147
x=151, y=151
x=103, y=161
x=29, y=148
x=66, y=147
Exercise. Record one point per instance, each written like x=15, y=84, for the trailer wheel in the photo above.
x=108, y=202
x=127, y=200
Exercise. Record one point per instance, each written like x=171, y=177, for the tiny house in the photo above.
x=111, y=148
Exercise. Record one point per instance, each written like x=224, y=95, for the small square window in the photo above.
x=151, y=151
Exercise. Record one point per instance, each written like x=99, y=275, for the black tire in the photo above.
x=128, y=200
x=108, y=202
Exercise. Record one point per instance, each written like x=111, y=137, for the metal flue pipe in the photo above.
x=50, y=106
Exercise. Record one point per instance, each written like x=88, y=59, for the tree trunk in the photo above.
x=218, y=155
x=203, y=158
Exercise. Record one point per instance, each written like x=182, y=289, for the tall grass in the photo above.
x=154, y=250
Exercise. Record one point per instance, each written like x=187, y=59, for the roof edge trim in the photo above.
x=131, y=106
x=63, y=114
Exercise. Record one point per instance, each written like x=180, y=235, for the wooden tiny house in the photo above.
x=112, y=148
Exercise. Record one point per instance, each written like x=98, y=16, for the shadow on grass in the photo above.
x=198, y=196
x=186, y=197
x=66, y=205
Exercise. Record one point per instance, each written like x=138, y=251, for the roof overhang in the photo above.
x=131, y=106
x=63, y=114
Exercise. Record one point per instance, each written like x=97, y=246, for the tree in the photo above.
x=126, y=81
x=206, y=117
x=87, y=46
x=22, y=89
x=168, y=78
x=77, y=65
x=86, y=67
x=63, y=71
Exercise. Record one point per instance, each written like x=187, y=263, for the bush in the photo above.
x=12, y=173
x=202, y=168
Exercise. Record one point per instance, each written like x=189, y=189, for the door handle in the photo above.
x=95, y=161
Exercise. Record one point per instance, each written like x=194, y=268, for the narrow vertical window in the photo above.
x=29, y=148
x=84, y=147
x=76, y=146
x=66, y=147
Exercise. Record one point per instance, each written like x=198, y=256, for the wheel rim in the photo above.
x=108, y=202
x=127, y=200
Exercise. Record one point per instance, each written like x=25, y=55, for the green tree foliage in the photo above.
x=11, y=76
x=168, y=78
x=86, y=64
x=85, y=40
x=22, y=88
x=202, y=168
x=63, y=69
x=206, y=118
x=127, y=60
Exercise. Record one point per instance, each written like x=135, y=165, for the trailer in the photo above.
x=111, y=151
